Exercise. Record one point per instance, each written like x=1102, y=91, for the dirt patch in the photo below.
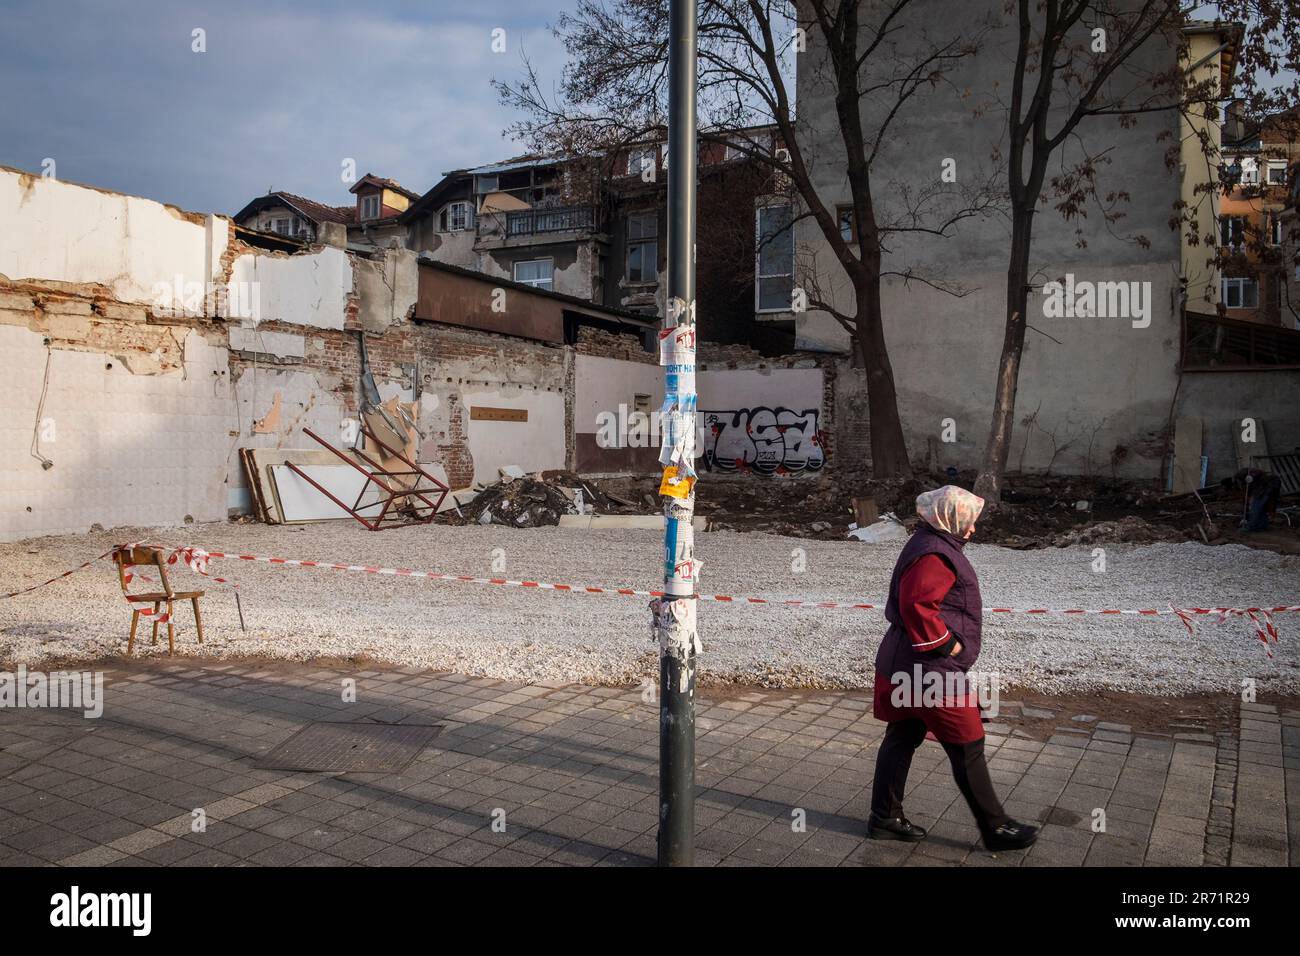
x=1037, y=511
x=1189, y=714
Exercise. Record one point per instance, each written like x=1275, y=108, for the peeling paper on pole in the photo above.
x=681, y=569
x=677, y=345
x=675, y=626
x=680, y=312
x=678, y=450
x=680, y=509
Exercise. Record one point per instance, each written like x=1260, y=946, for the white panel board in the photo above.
x=300, y=501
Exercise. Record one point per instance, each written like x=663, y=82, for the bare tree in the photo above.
x=872, y=58
x=1077, y=60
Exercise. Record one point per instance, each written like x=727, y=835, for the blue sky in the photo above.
x=285, y=92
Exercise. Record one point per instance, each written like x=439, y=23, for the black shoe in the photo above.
x=1010, y=836
x=893, y=828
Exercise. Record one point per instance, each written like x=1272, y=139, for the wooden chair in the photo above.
x=156, y=557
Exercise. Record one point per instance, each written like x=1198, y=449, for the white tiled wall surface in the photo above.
x=304, y=403
x=143, y=450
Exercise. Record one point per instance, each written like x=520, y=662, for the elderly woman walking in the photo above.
x=934, y=615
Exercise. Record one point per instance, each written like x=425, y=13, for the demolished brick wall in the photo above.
x=217, y=381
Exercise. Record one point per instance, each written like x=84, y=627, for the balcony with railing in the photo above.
x=533, y=222
x=1212, y=344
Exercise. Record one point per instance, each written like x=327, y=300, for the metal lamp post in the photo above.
x=675, y=612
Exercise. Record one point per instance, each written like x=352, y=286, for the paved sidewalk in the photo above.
x=571, y=772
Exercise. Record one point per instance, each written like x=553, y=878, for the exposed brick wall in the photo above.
x=613, y=345
x=451, y=360
x=492, y=361
x=443, y=354
x=852, y=430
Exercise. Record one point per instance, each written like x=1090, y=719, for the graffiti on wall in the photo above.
x=767, y=441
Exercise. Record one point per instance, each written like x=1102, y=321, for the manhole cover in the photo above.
x=324, y=747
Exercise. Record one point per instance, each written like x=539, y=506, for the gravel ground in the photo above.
x=527, y=635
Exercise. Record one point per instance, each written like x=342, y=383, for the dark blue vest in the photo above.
x=961, y=609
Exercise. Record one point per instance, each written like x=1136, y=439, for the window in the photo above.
x=1277, y=174
x=536, y=272
x=641, y=159
x=1232, y=231
x=844, y=214
x=1249, y=171
x=1275, y=230
x=282, y=226
x=455, y=217
x=774, y=259
x=370, y=206
x=643, y=247
x=1240, y=294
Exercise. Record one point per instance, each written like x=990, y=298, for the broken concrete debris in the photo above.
x=888, y=528
x=562, y=498
x=1128, y=530
x=520, y=500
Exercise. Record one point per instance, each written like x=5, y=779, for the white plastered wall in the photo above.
x=535, y=445
x=602, y=384
x=63, y=232
x=310, y=289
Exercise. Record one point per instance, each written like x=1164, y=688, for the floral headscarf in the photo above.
x=950, y=509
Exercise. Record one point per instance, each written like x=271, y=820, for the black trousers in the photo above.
x=969, y=770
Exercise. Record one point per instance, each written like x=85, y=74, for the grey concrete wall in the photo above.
x=1222, y=400
x=1094, y=385
x=453, y=248
x=386, y=288
x=575, y=264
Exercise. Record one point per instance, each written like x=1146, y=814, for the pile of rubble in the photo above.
x=1127, y=530
x=1038, y=511
x=521, y=500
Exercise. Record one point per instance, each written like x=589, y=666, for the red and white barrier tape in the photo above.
x=1261, y=617
x=60, y=577
x=197, y=559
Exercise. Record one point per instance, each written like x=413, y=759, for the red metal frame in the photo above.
x=389, y=516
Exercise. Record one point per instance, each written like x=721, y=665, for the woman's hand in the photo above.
x=956, y=648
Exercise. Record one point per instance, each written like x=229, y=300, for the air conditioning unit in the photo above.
x=782, y=155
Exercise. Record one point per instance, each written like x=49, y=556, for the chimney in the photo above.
x=1234, y=121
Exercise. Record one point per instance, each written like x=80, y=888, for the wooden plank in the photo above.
x=485, y=413
x=865, y=511
x=1187, y=455
x=254, y=489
